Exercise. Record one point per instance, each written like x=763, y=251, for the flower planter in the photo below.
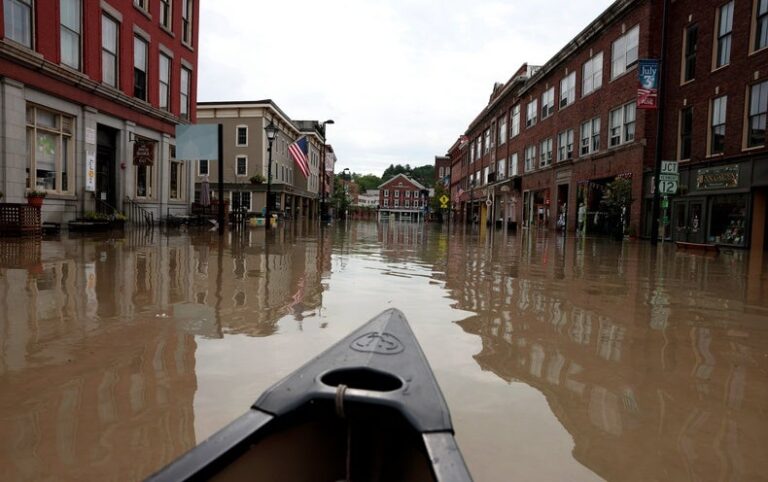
x=35, y=201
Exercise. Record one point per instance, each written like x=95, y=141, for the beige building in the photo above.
x=246, y=158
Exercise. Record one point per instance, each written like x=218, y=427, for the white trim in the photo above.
x=112, y=11
x=237, y=135
x=208, y=164
x=141, y=33
x=237, y=158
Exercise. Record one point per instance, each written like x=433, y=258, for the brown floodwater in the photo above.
x=560, y=358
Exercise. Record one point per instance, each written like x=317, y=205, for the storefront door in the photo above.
x=688, y=220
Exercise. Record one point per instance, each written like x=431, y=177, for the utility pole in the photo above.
x=655, y=211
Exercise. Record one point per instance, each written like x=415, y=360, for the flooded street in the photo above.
x=560, y=358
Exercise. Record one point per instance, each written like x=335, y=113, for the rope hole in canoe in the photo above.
x=362, y=379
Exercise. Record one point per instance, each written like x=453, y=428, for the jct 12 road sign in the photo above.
x=667, y=187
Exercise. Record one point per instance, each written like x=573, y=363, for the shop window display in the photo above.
x=728, y=220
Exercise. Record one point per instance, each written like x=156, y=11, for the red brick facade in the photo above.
x=400, y=194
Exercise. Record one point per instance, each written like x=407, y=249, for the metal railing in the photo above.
x=137, y=215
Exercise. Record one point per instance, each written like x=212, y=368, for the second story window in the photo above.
x=503, y=130
x=532, y=112
x=202, y=167
x=622, y=125
x=70, y=33
x=184, y=93
x=568, y=90
x=241, y=168
x=242, y=136
x=717, y=125
x=689, y=52
x=109, y=51
x=166, y=12
x=548, y=103
x=590, y=136
x=761, y=25
x=139, y=68
x=592, y=74
x=530, y=158
x=724, y=31
x=165, y=82
x=514, y=128
x=624, y=52
x=386, y=192
x=18, y=21
x=397, y=193
x=686, y=131
x=758, y=106
x=545, y=153
x=565, y=145
x=186, y=21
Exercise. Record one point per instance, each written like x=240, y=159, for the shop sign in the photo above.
x=718, y=177
x=90, y=171
x=143, y=152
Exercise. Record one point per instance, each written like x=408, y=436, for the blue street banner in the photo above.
x=648, y=86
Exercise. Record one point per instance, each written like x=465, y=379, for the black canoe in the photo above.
x=367, y=409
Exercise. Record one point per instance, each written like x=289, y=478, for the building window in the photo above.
x=241, y=200
x=241, y=166
x=186, y=21
x=165, y=82
x=503, y=130
x=407, y=193
x=242, y=136
x=70, y=33
x=724, y=31
x=758, y=105
x=761, y=25
x=532, y=112
x=514, y=128
x=166, y=14
x=407, y=203
x=203, y=167
x=487, y=141
x=139, y=68
x=686, y=131
x=689, y=52
x=51, y=151
x=18, y=21
x=568, y=90
x=184, y=93
x=386, y=203
x=486, y=172
x=109, y=49
x=622, y=125
x=592, y=74
x=478, y=146
x=513, y=164
x=501, y=169
x=530, y=158
x=717, y=125
x=728, y=216
x=565, y=145
x=142, y=4
x=397, y=202
x=548, y=103
x=545, y=153
x=386, y=192
x=590, y=136
x=624, y=52
x=397, y=193
x=144, y=181
x=176, y=191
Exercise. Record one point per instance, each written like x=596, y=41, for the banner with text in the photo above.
x=648, y=88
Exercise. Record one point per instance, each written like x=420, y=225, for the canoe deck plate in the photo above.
x=380, y=343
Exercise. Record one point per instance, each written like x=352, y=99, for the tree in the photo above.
x=425, y=175
x=340, y=199
x=366, y=181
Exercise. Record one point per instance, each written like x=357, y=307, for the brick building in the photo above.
x=402, y=198
x=551, y=138
x=715, y=116
x=442, y=170
x=86, y=84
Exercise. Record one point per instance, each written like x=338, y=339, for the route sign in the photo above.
x=668, y=167
x=667, y=187
x=669, y=177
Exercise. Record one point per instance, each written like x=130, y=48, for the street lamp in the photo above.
x=346, y=177
x=271, y=131
x=323, y=173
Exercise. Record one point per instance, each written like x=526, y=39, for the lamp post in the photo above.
x=322, y=207
x=271, y=131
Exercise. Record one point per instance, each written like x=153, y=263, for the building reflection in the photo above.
x=97, y=339
x=656, y=366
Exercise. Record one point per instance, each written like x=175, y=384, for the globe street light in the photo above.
x=271, y=131
x=323, y=173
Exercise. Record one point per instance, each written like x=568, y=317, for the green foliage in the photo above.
x=257, y=179
x=339, y=199
x=424, y=175
x=435, y=201
x=366, y=181
x=35, y=193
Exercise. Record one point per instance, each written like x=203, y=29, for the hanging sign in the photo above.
x=648, y=88
x=143, y=152
x=90, y=171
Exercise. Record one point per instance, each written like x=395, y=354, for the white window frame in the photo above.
x=187, y=21
x=487, y=141
x=718, y=108
x=200, y=172
x=621, y=124
x=548, y=103
x=151, y=180
x=502, y=130
x=184, y=92
x=164, y=100
x=568, y=90
x=625, y=52
x=397, y=193
x=501, y=169
x=760, y=28
x=241, y=194
x=758, y=110
x=180, y=184
x=531, y=113
x=592, y=74
x=105, y=51
x=24, y=35
x=513, y=161
x=687, y=75
x=138, y=40
x=723, y=36
x=530, y=158
x=166, y=14
x=565, y=145
x=514, y=126
x=71, y=31
x=62, y=132
x=397, y=202
x=545, y=153
x=590, y=137
x=239, y=173
x=237, y=136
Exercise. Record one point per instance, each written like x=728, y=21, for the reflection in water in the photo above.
x=560, y=357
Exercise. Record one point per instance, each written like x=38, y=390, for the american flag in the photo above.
x=298, y=152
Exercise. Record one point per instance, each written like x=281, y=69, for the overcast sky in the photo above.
x=402, y=79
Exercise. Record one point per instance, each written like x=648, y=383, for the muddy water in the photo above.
x=561, y=359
